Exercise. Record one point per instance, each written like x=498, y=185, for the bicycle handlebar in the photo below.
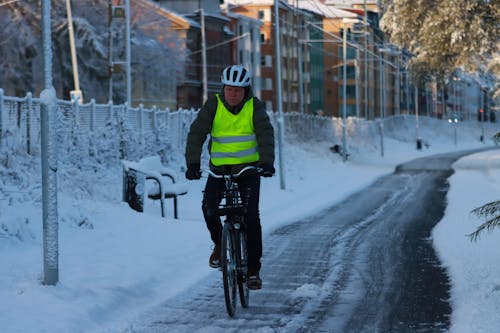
x=234, y=175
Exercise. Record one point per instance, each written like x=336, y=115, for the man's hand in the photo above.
x=267, y=170
x=193, y=171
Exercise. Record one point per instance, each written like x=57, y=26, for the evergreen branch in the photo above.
x=488, y=225
x=486, y=211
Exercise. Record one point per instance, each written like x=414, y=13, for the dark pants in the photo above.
x=213, y=196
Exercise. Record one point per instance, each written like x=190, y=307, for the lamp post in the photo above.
x=279, y=102
x=77, y=93
x=391, y=51
x=454, y=120
x=203, y=57
x=481, y=110
x=344, y=85
x=382, y=100
x=344, y=92
x=418, y=139
x=48, y=117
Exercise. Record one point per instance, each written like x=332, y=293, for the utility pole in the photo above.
x=279, y=102
x=49, y=158
x=382, y=101
x=419, y=140
x=203, y=56
x=299, y=55
x=77, y=93
x=128, y=53
x=119, y=68
x=344, y=91
x=365, y=67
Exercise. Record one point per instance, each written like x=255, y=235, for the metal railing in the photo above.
x=119, y=125
x=120, y=131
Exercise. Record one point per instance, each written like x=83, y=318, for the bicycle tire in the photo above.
x=242, y=278
x=229, y=273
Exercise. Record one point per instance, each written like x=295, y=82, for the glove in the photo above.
x=193, y=171
x=267, y=170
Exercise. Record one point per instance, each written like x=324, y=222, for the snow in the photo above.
x=115, y=263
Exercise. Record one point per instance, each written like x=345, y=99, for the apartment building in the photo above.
x=207, y=35
x=312, y=57
x=290, y=18
x=167, y=28
x=245, y=49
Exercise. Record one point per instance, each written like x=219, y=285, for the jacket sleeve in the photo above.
x=199, y=130
x=264, y=132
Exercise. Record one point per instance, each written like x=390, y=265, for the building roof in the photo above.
x=326, y=11
x=178, y=21
x=314, y=6
x=349, y=2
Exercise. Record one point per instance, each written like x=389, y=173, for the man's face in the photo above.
x=234, y=95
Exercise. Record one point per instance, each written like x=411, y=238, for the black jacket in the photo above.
x=202, y=126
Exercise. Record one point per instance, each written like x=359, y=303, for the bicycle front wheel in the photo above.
x=242, y=273
x=229, y=273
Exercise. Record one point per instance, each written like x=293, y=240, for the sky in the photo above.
x=115, y=263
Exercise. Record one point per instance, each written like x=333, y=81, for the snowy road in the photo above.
x=365, y=265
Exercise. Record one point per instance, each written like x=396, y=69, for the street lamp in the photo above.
x=453, y=119
x=419, y=140
x=76, y=95
x=481, y=110
x=48, y=116
x=391, y=52
x=344, y=85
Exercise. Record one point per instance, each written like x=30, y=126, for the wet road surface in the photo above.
x=365, y=265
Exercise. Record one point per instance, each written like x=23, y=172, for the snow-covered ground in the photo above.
x=115, y=263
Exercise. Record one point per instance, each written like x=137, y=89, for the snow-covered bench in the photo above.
x=163, y=184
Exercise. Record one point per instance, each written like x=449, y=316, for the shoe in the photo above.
x=253, y=279
x=214, y=260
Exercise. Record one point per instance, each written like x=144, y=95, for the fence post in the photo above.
x=29, y=106
x=155, y=125
x=110, y=111
x=2, y=119
x=180, y=128
x=141, y=125
x=92, y=115
x=76, y=112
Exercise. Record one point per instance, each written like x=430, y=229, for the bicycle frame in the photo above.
x=233, y=243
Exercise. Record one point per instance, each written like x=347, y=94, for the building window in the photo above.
x=263, y=38
x=350, y=91
x=261, y=14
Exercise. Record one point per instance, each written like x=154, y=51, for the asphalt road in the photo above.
x=365, y=265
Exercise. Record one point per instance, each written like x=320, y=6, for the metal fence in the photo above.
x=102, y=131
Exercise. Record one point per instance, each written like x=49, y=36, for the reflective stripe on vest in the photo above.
x=233, y=136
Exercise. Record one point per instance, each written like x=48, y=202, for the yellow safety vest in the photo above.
x=233, y=136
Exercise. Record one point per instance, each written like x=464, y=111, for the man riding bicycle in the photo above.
x=241, y=134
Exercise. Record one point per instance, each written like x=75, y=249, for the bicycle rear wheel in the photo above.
x=242, y=274
x=229, y=273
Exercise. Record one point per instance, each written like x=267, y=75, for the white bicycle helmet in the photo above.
x=235, y=75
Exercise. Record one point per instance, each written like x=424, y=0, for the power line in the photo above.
x=8, y=3
x=222, y=43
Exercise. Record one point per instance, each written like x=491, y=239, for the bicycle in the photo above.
x=234, y=240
